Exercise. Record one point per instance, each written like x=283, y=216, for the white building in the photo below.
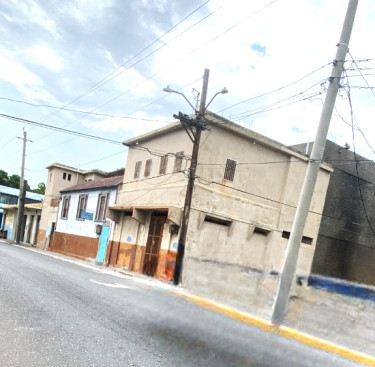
x=82, y=228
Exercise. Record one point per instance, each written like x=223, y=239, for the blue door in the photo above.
x=102, y=245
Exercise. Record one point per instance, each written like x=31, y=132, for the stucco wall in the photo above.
x=82, y=227
x=54, y=184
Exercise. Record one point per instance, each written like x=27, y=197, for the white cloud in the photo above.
x=35, y=14
x=44, y=56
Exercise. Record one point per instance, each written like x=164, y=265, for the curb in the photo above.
x=283, y=331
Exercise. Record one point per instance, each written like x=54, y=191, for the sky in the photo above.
x=99, y=68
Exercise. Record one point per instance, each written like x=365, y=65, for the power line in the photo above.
x=60, y=129
x=274, y=201
x=360, y=72
x=275, y=90
x=356, y=165
x=110, y=76
x=101, y=159
x=80, y=111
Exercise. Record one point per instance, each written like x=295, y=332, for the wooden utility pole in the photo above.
x=289, y=268
x=21, y=197
x=195, y=127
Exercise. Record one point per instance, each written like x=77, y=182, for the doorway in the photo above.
x=155, y=235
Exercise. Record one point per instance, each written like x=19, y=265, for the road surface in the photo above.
x=59, y=313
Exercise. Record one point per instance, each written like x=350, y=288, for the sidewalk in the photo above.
x=336, y=323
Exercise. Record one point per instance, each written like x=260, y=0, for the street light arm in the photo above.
x=169, y=90
x=223, y=91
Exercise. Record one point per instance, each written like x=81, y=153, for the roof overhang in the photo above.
x=139, y=213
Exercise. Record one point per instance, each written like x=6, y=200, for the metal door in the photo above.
x=155, y=235
x=102, y=245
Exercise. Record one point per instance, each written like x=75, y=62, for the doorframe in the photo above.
x=160, y=238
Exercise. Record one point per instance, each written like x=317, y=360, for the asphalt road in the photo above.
x=57, y=313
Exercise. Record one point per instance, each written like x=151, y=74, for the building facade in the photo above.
x=246, y=192
x=82, y=228
x=345, y=245
x=30, y=223
x=59, y=177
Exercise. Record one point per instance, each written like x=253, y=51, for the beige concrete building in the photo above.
x=59, y=178
x=246, y=192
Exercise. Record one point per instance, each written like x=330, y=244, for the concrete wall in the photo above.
x=262, y=197
x=55, y=183
x=345, y=246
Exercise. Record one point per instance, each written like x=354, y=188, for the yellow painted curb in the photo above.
x=284, y=331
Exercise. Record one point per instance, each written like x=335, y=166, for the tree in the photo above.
x=14, y=181
x=3, y=178
x=41, y=188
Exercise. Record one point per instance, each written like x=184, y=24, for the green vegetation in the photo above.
x=14, y=181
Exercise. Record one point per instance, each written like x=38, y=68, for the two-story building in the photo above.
x=246, y=192
x=60, y=177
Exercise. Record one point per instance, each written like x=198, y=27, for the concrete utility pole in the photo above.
x=288, y=271
x=190, y=186
x=21, y=197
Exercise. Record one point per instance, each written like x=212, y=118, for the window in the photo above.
x=82, y=202
x=230, y=169
x=137, y=169
x=67, y=176
x=261, y=231
x=163, y=165
x=148, y=167
x=102, y=206
x=216, y=220
x=305, y=240
x=65, y=207
x=178, y=162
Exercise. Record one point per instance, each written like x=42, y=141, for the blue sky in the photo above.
x=113, y=59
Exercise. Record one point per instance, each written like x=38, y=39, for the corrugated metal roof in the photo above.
x=96, y=184
x=29, y=206
x=15, y=192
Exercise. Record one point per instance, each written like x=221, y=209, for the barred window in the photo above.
x=137, y=169
x=163, y=165
x=65, y=207
x=148, y=167
x=230, y=169
x=102, y=206
x=82, y=202
x=178, y=162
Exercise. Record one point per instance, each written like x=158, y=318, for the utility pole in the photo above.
x=195, y=136
x=21, y=197
x=288, y=271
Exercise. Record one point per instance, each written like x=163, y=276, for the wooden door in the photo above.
x=155, y=235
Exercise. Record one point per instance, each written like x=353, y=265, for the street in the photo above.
x=58, y=313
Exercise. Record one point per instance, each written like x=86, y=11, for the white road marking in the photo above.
x=112, y=285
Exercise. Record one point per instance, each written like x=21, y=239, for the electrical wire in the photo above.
x=60, y=129
x=275, y=90
x=84, y=112
x=113, y=74
x=360, y=72
x=356, y=165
